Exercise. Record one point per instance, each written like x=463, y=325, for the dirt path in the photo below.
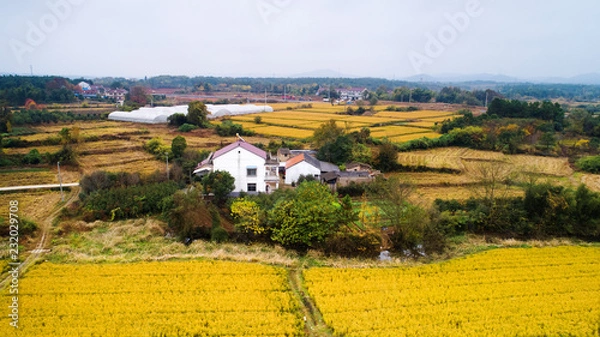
x=42, y=245
x=314, y=326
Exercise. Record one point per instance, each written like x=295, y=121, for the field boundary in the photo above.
x=314, y=325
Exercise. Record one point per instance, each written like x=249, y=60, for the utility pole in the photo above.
x=486, y=98
x=62, y=196
x=265, y=106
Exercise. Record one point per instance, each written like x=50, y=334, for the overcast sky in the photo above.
x=377, y=38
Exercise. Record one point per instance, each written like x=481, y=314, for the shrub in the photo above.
x=177, y=119
x=33, y=157
x=186, y=127
x=589, y=164
x=219, y=234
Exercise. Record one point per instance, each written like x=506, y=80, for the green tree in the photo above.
x=197, y=114
x=548, y=140
x=157, y=147
x=361, y=153
x=408, y=221
x=347, y=215
x=387, y=158
x=220, y=184
x=33, y=157
x=188, y=215
x=178, y=146
x=5, y=119
x=327, y=132
x=338, y=152
x=307, y=219
x=177, y=119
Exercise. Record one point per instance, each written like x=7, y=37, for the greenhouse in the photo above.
x=160, y=114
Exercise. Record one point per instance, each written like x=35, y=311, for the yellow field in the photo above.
x=193, y=298
x=406, y=138
x=467, y=160
x=19, y=177
x=507, y=292
x=421, y=121
x=419, y=114
x=395, y=130
x=34, y=205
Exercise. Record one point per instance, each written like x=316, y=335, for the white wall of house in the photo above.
x=302, y=168
x=237, y=162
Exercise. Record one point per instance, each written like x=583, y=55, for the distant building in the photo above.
x=305, y=164
x=357, y=167
x=344, y=178
x=84, y=86
x=253, y=169
x=346, y=94
x=352, y=94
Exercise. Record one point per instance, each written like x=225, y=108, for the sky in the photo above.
x=391, y=39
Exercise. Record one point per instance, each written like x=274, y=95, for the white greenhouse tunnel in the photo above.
x=160, y=114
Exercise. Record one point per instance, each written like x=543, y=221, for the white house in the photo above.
x=253, y=169
x=305, y=164
x=352, y=94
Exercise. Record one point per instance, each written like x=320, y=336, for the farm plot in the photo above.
x=193, y=298
x=406, y=138
x=36, y=176
x=468, y=160
x=419, y=114
x=121, y=161
x=310, y=119
x=395, y=130
x=34, y=205
x=504, y=292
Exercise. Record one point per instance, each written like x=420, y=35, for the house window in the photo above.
x=251, y=172
x=251, y=187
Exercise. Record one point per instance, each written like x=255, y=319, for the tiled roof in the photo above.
x=243, y=145
x=323, y=166
x=295, y=160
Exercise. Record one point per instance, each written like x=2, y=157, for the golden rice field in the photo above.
x=289, y=121
x=504, y=292
x=395, y=130
x=407, y=137
x=191, y=298
x=468, y=160
x=18, y=177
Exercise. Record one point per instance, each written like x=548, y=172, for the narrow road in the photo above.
x=314, y=326
x=33, y=187
x=44, y=235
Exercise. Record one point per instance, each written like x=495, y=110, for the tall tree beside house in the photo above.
x=197, y=114
x=220, y=184
x=338, y=152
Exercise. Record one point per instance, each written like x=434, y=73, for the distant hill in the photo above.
x=587, y=79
